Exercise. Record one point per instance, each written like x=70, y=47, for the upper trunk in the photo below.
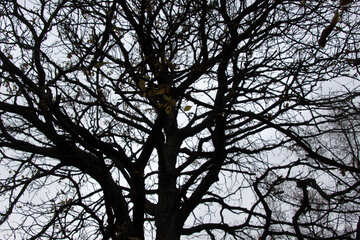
x=166, y=221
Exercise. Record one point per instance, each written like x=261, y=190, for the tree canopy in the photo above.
x=169, y=119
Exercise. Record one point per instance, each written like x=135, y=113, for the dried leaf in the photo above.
x=141, y=84
x=156, y=91
x=354, y=62
x=100, y=64
x=343, y=3
x=336, y=18
x=326, y=32
x=169, y=100
x=187, y=108
x=168, y=109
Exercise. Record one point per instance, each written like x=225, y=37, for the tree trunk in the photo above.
x=166, y=221
x=168, y=228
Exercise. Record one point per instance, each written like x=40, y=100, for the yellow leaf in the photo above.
x=160, y=105
x=142, y=84
x=168, y=109
x=173, y=102
x=157, y=91
x=187, y=108
x=167, y=98
x=100, y=64
x=165, y=88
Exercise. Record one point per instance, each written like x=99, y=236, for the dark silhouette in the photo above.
x=176, y=118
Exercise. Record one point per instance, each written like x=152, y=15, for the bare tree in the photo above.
x=173, y=119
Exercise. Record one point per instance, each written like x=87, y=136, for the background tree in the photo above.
x=207, y=119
